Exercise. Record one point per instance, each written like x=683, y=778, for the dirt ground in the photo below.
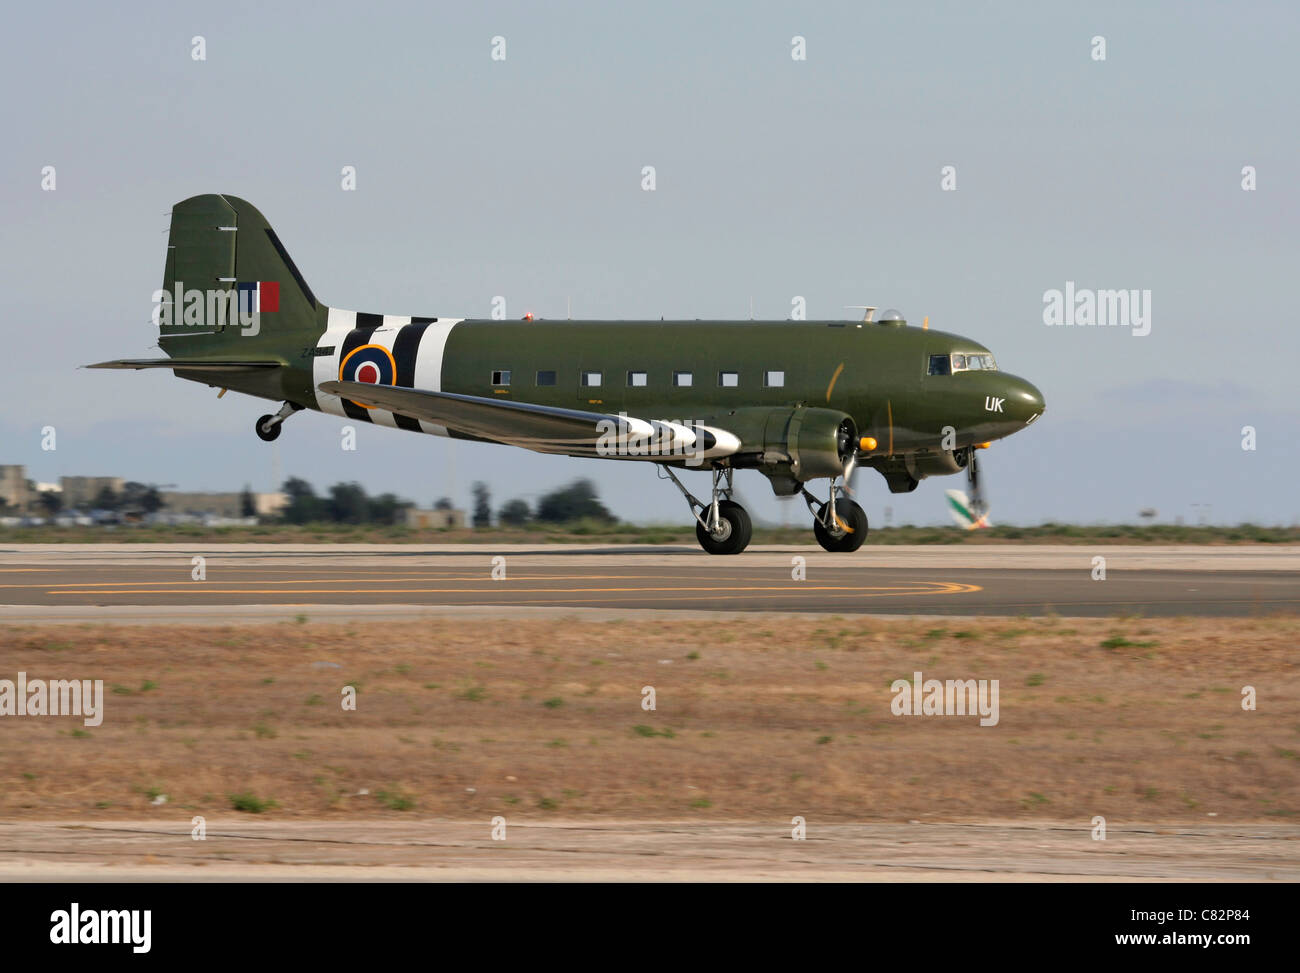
x=541, y=719
x=413, y=848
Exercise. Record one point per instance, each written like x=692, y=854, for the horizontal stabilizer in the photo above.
x=197, y=364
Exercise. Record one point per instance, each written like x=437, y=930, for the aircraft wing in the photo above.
x=197, y=365
x=545, y=428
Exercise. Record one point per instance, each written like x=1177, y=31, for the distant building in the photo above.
x=434, y=519
x=79, y=492
x=223, y=504
x=13, y=487
x=270, y=504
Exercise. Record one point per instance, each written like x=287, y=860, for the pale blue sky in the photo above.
x=775, y=178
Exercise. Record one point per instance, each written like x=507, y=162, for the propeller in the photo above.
x=851, y=481
x=978, y=505
x=847, y=446
x=970, y=512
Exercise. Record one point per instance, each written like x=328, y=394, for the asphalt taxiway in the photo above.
x=84, y=582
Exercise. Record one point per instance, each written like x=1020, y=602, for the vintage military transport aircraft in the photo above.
x=799, y=401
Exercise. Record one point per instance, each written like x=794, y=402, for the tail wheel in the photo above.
x=265, y=435
x=850, y=528
x=735, y=529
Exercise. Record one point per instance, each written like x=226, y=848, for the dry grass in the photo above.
x=772, y=716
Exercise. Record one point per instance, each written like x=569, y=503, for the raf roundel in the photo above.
x=369, y=364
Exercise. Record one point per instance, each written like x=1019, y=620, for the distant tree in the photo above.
x=141, y=496
x=443, y=503
x=482, y=505
x=302, y=505
x=348, y=503
x=515, y=513
x=51, y=500
x=152, y=500
x=106, y=499
x=577, y=501
x=247, y=505
x=386, y=508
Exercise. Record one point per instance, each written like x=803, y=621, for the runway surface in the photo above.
x=42, y=582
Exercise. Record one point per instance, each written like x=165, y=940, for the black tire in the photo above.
x=737, y=525
x=854, y=517
x=262, y=434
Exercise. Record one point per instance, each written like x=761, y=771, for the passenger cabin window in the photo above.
x=728, y=380
x=774, y=380
x=683, y=380
x=501, y=377
x=591, y=379
x=546, y=377
x=940, y=365
x=636, y=380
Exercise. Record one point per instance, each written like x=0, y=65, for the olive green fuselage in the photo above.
x=875, y=373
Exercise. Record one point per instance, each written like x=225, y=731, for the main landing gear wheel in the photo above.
x=731, y=530
x=734, y=530
x=849, y=529
x=266, y=432
x=268, y=427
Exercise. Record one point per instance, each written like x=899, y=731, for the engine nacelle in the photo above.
x=943, y=463
x=804, y=444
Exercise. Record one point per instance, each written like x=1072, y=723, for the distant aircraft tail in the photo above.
x=960, y=507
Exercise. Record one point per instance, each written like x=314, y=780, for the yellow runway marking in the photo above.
x=936, y=587
x=948, y=588
x=476, y=577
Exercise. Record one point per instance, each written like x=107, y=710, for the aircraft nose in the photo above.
x=1026, y=401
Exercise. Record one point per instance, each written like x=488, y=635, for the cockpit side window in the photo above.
x=959, y=363
x=939, y=365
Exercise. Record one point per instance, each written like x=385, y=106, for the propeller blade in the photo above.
x=978, y=505
x=849, y=482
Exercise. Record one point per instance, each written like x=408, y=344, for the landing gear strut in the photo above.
x=268, y=427
x=839, y=524
x=722, y=526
